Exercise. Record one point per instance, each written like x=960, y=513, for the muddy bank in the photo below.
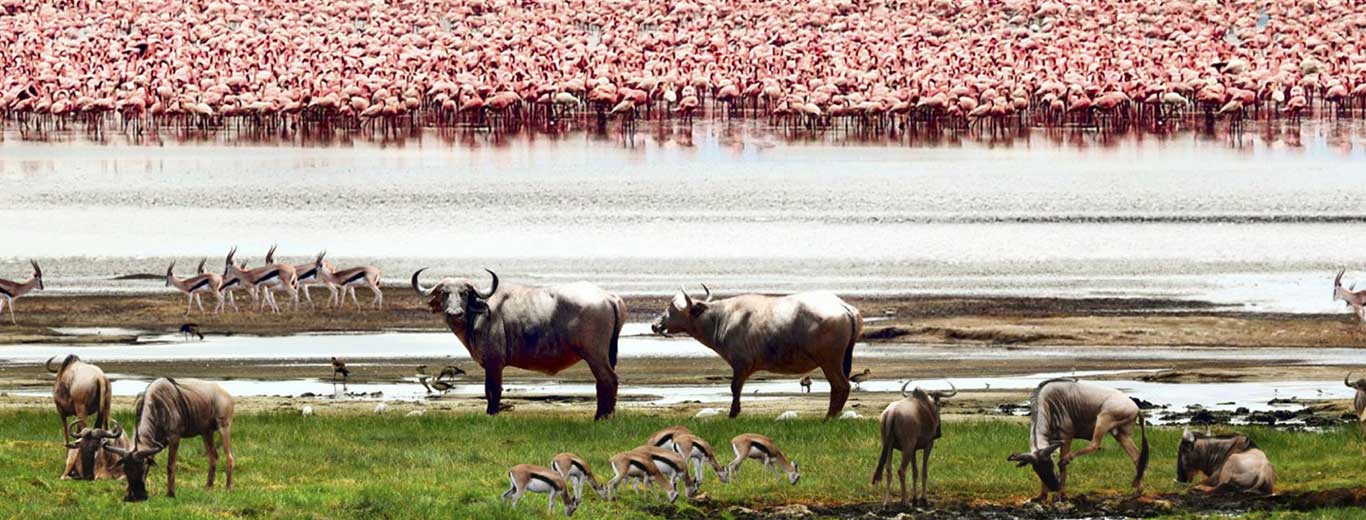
x=1080, y=506
x=914, y=319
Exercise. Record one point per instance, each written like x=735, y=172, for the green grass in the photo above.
x=455, y=466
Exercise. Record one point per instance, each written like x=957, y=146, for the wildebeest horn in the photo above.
x=704, y=288
x=1337, y=281
x=687, y=300
x=116, y=432
x=74, y=423
x=114, y=449
x=951, y=394
x=903, y=388
x=1345, y=380
x=48, y=365
x=492, y=288
x=417, y=286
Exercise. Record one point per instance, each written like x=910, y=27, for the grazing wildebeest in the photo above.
x=1231, y=463
x=1358, y=405
x=1353, y=298
x=86, y=459
x=544, y=329
x=910, y=425
x=167, y=412
x=81, y=390
x=784, y=334
x=1064, y=409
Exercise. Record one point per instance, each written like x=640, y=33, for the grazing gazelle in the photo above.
x=537, y=479
x=636, y=464
x=762, y=449
x=694, y=448
x=574, y=470
x=347, y=279
x=267, y=279
x=195, y=285
x=11, y=290
x=673, y=465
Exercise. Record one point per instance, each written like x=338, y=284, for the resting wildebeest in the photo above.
x=86, y=459
x=910, y=425
x=1064, y=409
x=792, y=334
x=167, y=412
x=1232, y=464
x=81, y=390
x=1358, y=405
x=544, y=329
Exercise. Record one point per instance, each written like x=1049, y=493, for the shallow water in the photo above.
x=1259, y=219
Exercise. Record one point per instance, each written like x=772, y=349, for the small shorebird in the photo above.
x=806, y=385
x=859, y=378
x=340, y=368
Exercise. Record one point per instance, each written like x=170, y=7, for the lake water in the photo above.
x=1262, y=219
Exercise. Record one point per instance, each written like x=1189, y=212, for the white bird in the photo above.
x=787, y=416
x=380, y=408
x=416, y=413
x=706, y=412
x=850, y=414
x=307, y=411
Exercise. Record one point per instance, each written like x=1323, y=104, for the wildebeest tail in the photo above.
x=616, y=330
x=888, y=433
x=102, y=403
x=1143, y=450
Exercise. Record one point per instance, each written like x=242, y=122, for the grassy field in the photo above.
x=454, y=466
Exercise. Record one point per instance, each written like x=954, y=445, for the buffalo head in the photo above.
x=678, y=317
x=88, y=443
x=135, y=464
x=455, y=298
x=1042, y=461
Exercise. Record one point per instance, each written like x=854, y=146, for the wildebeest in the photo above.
x=1232, y=464
x=910, y=425
x=1358, y=405
x=81, y=390
x=784, y=334
x=167, y=412
x=86, y=458
x=544, y=329
x=1064, y=409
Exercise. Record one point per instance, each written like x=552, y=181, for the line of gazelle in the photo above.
x=261, y=283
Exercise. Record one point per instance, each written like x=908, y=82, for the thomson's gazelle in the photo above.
x=638, y=465
x=762, y=449
x=536, y=479
x=266, y=279
x=575, y=471
x=11, y=290
x=195, y=285
x=673, y=466
x=347, y=279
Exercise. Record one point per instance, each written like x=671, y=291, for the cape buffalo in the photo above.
x=785, y=334
x=545, y=329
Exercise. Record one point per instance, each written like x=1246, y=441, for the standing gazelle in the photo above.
x=194, y=285
x=266, y=279
x=11, y=290
x=1353, y=298
x=536, y=479
x=347, y=279
x=308, y=276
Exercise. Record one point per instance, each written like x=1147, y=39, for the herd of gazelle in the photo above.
x=261, y=283
x=672, y=458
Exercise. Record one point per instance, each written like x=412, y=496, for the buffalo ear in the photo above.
x=697, y=309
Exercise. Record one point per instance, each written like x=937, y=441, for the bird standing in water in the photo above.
x=859, y=378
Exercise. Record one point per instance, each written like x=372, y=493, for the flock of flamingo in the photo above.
x=876, y=65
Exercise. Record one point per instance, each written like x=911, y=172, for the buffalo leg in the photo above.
x=737, y=386
x=493, y=386
x=839, y=389
x=212, y=454
x=170, y=467
x=607, y=388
